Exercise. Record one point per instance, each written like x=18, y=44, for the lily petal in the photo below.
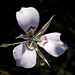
x=24, y=57
x=28, y=18
x=52, y=44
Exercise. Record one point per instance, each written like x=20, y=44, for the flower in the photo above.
x=25, y=53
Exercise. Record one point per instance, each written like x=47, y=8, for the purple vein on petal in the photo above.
x=28, y=48
x=45, y=38
x=31, y=27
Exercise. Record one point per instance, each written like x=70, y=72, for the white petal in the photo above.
x=54, y=37
x=18, y=52
x=24, y=57
x=53, y=45
x=55, y=49
x=28, y=18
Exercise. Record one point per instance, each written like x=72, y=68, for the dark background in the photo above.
x=63, y=22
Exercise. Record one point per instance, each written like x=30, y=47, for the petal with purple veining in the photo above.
x=27, y=17
x=54, y=46
x=24, y=57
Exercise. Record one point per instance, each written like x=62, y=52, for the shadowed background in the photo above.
x=63, y=22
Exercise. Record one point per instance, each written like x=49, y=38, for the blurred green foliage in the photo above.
x=63, y=22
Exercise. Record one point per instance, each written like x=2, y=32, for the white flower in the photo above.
x=25, y=53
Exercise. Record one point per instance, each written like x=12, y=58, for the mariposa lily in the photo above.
x=25, y=54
